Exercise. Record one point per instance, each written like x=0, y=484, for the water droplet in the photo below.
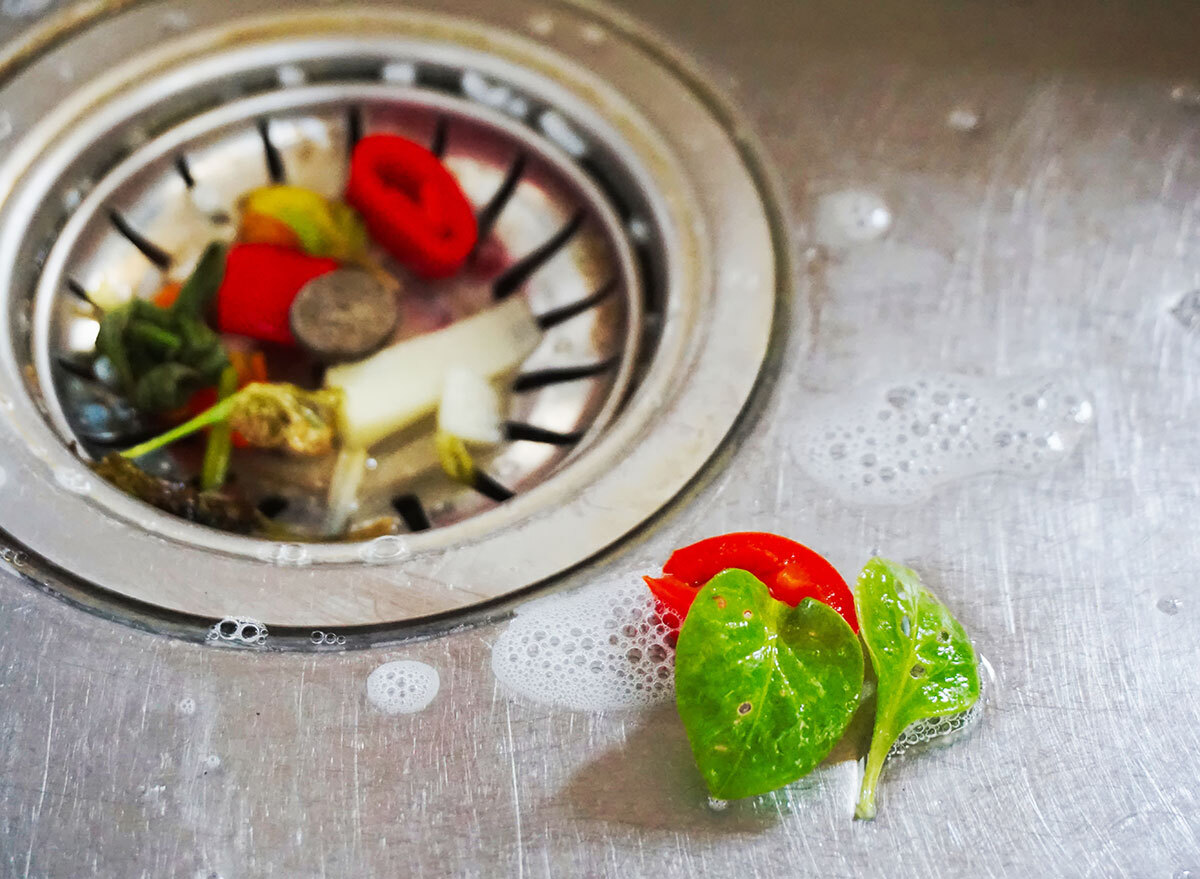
x=399, y=72
x=1002, y=439
x=291, y=75
x=963, y=119
x=177, y=20
x=371, y=464
x=887, y=474
x=851, y=217
x=73, y=479
x=384, y=550
x=542, y=25
x=639, y=230
x=186, y=706
x=287, y=555
x=212, y=761
x=717, y=805
x=1169, y=606
x=242, y=630
x=1187, y=873
x=1186, y=94
x=837, y=451
x=555, y=126
x=593, y=34
x=868, y=460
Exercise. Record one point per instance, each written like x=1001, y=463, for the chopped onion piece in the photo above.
x=401, y=384
x=470, y=408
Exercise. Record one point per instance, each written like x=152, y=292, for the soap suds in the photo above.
x=602, y=647
x=403, y=687
x=238, y=630
x=898, y=441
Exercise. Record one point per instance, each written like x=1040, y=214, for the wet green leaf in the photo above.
x=922, y=656
x=764, y=690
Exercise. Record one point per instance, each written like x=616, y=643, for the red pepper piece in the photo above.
x=791, y=571
x=261, y=281
x=412, y=205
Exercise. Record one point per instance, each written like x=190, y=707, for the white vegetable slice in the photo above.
x=394, y=388
x=470, y=408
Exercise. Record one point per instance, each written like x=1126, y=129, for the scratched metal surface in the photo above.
x=1057, y=235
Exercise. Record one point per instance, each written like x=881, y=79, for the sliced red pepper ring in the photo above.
x=790, y=570
x=412, y=205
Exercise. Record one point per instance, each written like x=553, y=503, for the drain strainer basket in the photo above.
x=617, y=201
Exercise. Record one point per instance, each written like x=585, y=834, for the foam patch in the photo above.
x=601, y=647
x=403, y=687
x=899, y=441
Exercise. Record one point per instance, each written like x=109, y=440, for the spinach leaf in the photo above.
x=764, y=690
x=922, y=657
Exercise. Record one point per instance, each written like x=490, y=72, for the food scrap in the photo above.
x=290, y=341
x=769, y=667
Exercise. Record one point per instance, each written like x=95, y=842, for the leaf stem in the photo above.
x=214, y=415
x=220, y=439
x=881, y=744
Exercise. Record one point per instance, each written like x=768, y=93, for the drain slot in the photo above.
x=542, y=378
x=185, y=171
x=440, y=135
x=157, y=255
x=549, y=319
x=496, y=204
x=410, y=509
x=354, y=127
x=515, y=431
x=275, y=169
x=514, y=277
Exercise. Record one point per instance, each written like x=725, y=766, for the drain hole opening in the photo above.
x=412, y=511
x=514, y=277
x=354, y=127
x=273, y=506
x=491, y=489
x=185, y=171
x=440, y=135
x=550, y=319
x=275, y=169
x=487, y=218
x=542, y=378
x=514, y=431
x=157, y=255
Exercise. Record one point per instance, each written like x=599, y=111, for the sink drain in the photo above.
x=614, y=200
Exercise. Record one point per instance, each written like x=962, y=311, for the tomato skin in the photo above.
x=790, y=570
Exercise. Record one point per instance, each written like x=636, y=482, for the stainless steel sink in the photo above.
x=993, y=191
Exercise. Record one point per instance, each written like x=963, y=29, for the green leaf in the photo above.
x=922, y=656
x=764, y=690
x=201, y=287
x=110, y=342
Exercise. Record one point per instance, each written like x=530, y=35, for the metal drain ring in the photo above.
x=695, y=199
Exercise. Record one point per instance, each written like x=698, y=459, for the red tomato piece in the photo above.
x=790, y=570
